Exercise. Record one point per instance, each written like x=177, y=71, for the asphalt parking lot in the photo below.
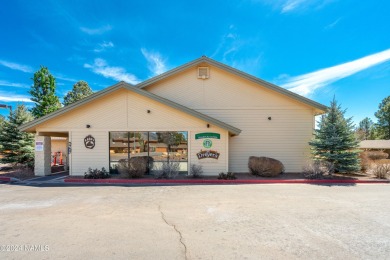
x=195, y=222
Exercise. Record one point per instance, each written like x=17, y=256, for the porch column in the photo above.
x=42, y=155
x=67, y=155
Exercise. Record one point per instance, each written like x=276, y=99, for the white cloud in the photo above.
x=333, y=24
x=156, y=64
x=291, y=5
x=10, y=97
x=229, y=45
x=16, y=66
x=101, y=67
x=103, y=46
x=306, y=84
x=95, y=31
x=13, y=84
x=63, y=77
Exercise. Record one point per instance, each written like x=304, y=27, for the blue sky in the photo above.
x=317, y=48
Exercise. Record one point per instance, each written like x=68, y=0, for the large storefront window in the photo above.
x=169, y=146
x=159, y=147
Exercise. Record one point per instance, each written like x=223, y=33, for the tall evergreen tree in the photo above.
x=1, y=127
x=43, y=93
x=17, y=147
x=335, y=142
x=383, y=115
x=80, y=90
x=365, y=130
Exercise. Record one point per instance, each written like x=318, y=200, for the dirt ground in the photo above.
x=19, y=173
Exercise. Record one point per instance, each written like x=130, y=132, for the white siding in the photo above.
x=123, y=110
x=222, y=90
x=102, y=113
x=285, y=137
x=127, y=111
x=247, y=106
x=210, y=166
x=83, y=158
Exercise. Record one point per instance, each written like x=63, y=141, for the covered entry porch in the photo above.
x=51, y=153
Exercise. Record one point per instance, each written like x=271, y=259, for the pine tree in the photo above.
x=17, y=147
x=365, y=130
x=80, y=90
x=43, y=93
x=335, y=142
x=1, y=128
x=383, y=115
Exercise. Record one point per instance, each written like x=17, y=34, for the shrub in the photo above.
x=114, y=169
x=381, y=171
x=96, y=174
x=136, y=169
x=317, y=169
x=196, y=171
x=264, y=166
x=227, y=176
x=365, y=161
x=168, y=170
x=376, y=155
x=22, y=171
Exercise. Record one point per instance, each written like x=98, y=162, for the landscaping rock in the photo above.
x=265, y=167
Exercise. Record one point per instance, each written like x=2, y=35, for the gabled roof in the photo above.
x=375, y=144
x=237, y=72
x=27, y=126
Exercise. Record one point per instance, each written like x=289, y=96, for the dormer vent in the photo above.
x=203, y=72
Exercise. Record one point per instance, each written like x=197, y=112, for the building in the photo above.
x=375, y=145
x=203, y=112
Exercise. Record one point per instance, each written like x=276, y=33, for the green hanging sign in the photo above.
x=207, y=135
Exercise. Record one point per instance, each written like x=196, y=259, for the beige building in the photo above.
x=202, y=112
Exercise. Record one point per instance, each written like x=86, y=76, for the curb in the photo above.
x=9, y=179
x=154, y=181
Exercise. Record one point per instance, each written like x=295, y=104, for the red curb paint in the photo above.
x=154, y=181
x=8, y=179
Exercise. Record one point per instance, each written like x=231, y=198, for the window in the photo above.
x=160, y=146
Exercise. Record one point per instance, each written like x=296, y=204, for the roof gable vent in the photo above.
x=203, y=72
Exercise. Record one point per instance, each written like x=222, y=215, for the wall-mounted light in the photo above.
x=148, y=111
x=208, y=125
x=269, y=118
x=88, y=126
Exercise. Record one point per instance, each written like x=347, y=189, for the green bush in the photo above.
x=227, y=176
x=96, y=174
